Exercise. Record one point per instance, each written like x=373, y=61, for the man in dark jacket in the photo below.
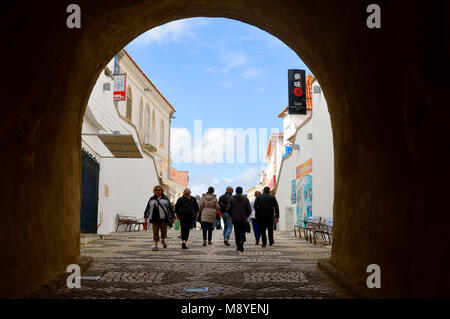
x=186, y=210
x=239, y=209
x=227, y=223
x=266, y=206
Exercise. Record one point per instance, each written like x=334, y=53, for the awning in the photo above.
x=121, y=145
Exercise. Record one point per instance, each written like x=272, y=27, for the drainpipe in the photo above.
x=169, y=166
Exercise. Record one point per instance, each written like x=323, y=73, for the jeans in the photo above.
x=227, y=225
x=207, y=227
x=256, y=229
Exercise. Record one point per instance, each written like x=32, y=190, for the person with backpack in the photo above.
x=209, y=206
x=186, y=209
x=266, y=206
x=239, y=210
x=161, y=215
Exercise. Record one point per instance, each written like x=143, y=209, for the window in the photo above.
x=147, y=123
x=129, y=103
x=161, y=133
x=141, y=115
x=153, y=121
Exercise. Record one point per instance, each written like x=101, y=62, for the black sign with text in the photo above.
x=297, y=91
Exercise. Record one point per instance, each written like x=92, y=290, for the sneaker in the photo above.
x=257, y=243
x=164, y=244
x=204, y=243
x=271, y=244
x=209, y=243
x=226, y=242
x=263, y=245
x=155, y=248
x=183, y=245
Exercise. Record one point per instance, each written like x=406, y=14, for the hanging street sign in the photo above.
x=120, y=84
x=297, y=91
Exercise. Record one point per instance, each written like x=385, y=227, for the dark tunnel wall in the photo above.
x=379, y=91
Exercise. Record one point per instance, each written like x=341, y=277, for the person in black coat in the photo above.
x=186, y=210
x=266, y=206
x=239, y=209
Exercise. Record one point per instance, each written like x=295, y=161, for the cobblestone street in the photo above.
x=130, y=269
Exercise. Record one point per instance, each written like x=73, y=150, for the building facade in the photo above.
x=147, y=109
x=306, y=181
x=120, y=185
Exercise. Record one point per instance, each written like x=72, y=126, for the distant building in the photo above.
x=179, y=181
x=274, y=157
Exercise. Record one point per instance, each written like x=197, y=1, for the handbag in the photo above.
x=169, y=219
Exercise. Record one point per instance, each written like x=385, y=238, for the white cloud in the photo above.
x=210, y=69
x=251, y=73
x=180, y=144
x=217, y=145
x=233, y=60
x=225, y=84
x=245, y=179
x=198, y=189
x=169, y=32
x=249, y=175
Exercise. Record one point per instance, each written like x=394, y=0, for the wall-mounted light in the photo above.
x=107, y=86
x=147, y=89
x=296, y=147
x=309, y=136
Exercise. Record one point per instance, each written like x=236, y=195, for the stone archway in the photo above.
x=377, y=89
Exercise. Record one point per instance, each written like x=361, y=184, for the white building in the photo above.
x=306, y=179
x=274, y=155
x=123, y=185
x=148, y=110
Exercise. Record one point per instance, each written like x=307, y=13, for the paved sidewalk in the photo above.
x=130, y=269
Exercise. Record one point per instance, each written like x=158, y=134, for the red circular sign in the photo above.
x=298, y=92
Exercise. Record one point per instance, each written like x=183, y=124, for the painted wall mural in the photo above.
x=304, y=191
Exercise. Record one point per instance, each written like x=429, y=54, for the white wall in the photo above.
x=320, y=149
x=323, y=158
x=130, y=183
x=288, y=171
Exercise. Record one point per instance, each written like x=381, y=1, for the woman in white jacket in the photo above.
x=209, y=206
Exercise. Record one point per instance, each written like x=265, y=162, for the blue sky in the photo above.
x=227, y=74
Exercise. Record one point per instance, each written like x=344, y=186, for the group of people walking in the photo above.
x=236, y=211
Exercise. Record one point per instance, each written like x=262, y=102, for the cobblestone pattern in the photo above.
x=130, y=269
